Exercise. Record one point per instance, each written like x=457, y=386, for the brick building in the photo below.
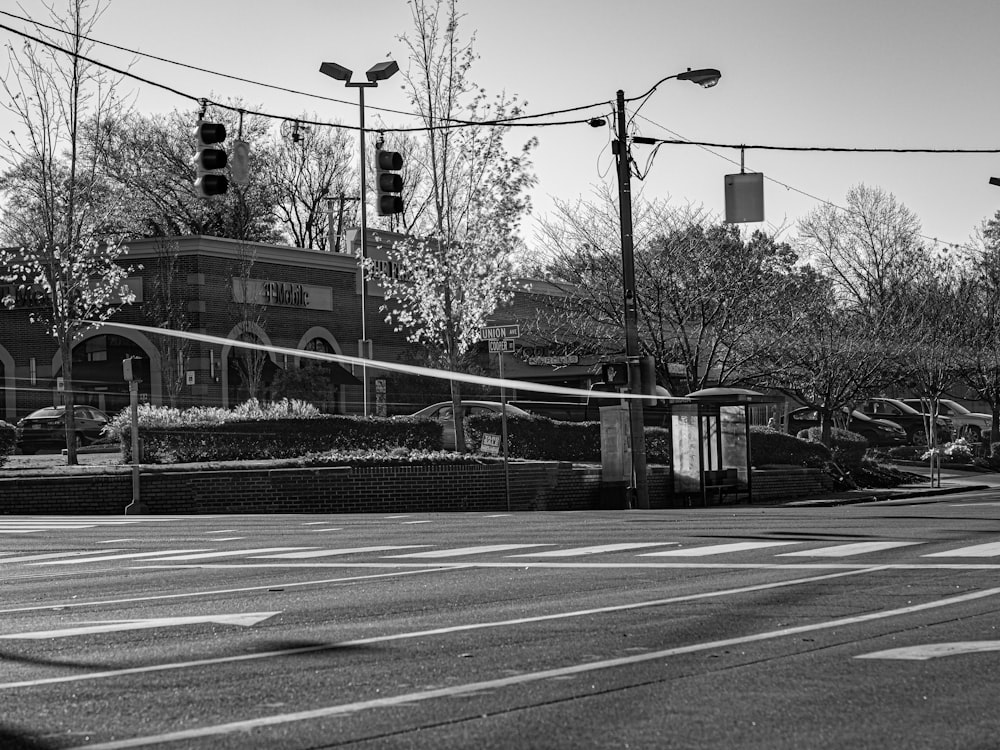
x=268, y=294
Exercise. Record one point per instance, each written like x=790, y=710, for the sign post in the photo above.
x=500, y=340
x=136, y=506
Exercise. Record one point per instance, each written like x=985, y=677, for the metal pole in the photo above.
x=136, y=506
x=364, y=256
x=503, y=437
x=636, y=421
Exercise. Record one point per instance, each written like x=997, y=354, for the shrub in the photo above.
x=286, y=429
x=539, y=437
x=8, y=439
x=848, y=447
x=769, y=446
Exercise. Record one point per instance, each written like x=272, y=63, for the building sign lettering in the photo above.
x=282, y=294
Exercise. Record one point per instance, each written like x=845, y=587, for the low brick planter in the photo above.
x=179, y=490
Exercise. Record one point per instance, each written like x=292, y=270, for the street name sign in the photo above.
x=501, y=346
x=497, y=333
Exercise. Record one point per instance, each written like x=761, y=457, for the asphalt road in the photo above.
x=862, y=626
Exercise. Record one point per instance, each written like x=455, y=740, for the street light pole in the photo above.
x=635, y=409
x=707, y=78
x=376, y=73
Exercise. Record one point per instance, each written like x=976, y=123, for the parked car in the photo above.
x=442, y=412
x=46, y=427
x=911, y=420
x=880, y=433
x=966, y=423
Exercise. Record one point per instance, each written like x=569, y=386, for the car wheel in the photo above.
x=919, y=438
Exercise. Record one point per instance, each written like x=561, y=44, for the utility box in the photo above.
x=616, y=458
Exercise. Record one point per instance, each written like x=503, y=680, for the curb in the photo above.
x=870, y=496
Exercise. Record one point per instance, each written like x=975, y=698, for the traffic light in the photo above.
x=211, y=156
x=615, y=373
x=389, y=182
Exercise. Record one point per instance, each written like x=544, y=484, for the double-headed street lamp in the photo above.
x=706, y=77
x=378, y=72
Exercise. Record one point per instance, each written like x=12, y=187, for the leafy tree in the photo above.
x=150, y=160
x=59, y=209
x=467, y=201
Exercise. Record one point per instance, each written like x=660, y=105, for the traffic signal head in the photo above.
x=210, y=156
x=388, y=182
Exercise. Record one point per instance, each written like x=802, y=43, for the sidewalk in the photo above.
x=952, y=482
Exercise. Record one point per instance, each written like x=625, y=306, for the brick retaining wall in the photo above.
x=534, y=486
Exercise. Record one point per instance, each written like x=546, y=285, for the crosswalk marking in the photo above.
x=331, y=552
x=992, y=549
x=469, y=550
x=846, y=550
x=594, y=550
x=715, y=549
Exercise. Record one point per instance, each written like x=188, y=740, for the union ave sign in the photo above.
x=498, y=333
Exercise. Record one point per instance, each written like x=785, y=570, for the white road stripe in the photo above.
x=49, y=556
x=452, y=691
x=992, y=549
x=228, y=553
x=715, y=549
x=845, y=550
x=447, y=630
x=103, y=557
x=460, y=551
x=332, y=552
x=594, y=550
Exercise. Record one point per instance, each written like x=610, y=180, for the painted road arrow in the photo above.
x=115, y=626
x=935, y=650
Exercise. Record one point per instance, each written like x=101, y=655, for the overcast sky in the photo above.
x=851, y=73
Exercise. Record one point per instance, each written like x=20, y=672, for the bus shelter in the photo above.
x=711, y=444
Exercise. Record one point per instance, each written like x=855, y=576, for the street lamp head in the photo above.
x=704, y=77
x=995, y=181
x=381, y=71
x=335, y=71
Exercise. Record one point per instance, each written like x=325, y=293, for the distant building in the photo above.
x=267, y=294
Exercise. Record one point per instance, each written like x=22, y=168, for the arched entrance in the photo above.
x=247, y=372
x=97, y=369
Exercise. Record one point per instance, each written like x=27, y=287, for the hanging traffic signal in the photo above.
x=388, y=182
x=211, y=156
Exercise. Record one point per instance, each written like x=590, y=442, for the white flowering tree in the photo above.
x=464, y=195
x=58, y=211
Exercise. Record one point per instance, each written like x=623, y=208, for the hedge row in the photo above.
x=769, y=446
x=8, y=439
x=279, y=438
x=848, y=448
x=541, y=438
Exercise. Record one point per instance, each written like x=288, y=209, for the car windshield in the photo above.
x=956, y=407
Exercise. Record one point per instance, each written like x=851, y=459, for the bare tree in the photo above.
x=870, y=250
x=307, y=167
x=165, y=306
x=59, y=210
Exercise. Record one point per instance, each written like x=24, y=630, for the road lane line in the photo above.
x=977, y=550
x=715, y=549
x=461, y=551
x=332, y=552
x=846, y=550
x=453, y=691
x=239, y=590
x=170, y=556
x=49, y=556
x=125, y=556
x=409, y=635
x=593, y=550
